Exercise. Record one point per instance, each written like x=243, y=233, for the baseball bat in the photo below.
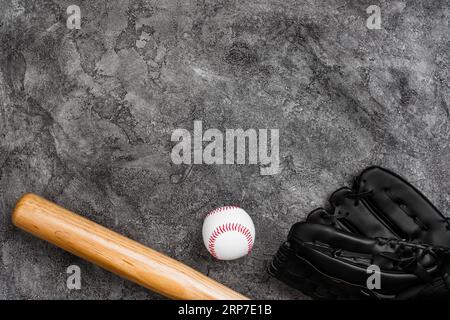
x=114, y=252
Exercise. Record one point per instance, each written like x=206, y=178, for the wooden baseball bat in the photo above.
x=114, y=252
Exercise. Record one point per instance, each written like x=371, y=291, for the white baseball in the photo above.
x=228, y=233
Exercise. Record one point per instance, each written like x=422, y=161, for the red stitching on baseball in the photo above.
x=221, y=209
x=230, y=226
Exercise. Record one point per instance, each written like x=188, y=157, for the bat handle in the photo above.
x=114, y=252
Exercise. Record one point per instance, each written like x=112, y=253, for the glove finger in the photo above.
x=356, y=216
x=322, y=216
x=401, y=207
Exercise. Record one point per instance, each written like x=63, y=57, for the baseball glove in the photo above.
x=381, y=226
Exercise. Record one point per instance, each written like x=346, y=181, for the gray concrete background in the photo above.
x=86, y=118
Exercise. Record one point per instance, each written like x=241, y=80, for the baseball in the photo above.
x=228, y=233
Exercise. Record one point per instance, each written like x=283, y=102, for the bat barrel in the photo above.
x=114, y=252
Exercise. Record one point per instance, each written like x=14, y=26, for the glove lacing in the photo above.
x=357, y=196
x=332, y=218
x=337, y=214
x=412, y=263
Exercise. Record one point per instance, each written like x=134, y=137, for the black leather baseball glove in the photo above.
x=381, y=239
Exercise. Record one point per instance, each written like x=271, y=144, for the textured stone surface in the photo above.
x=86, y=118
